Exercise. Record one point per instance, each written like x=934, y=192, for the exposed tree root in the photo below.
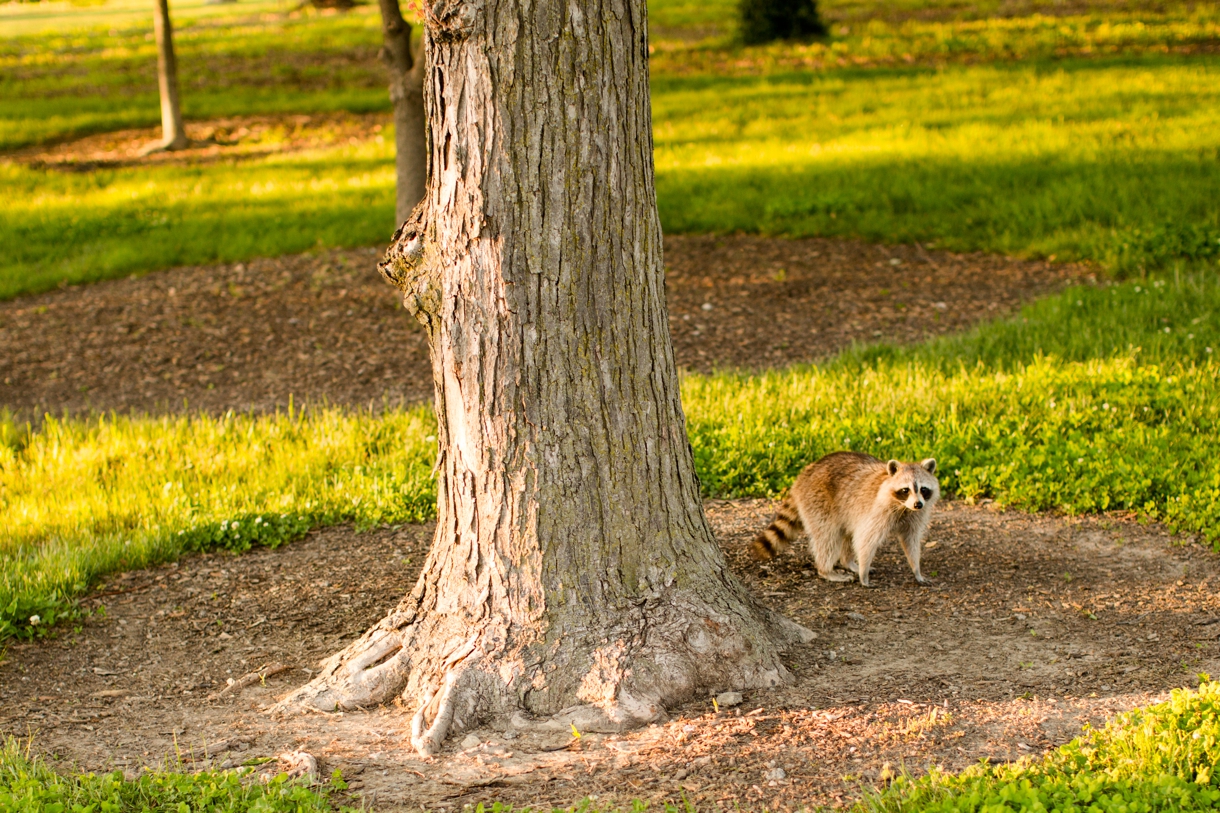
x=623, y=682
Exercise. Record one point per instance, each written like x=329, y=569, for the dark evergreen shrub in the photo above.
x=769, y=20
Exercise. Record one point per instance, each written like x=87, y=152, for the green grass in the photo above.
x=83, y=80
x=79, y=77
x=1101, y=399
x=697, y=43
x=1112, y=162
x=84, y=498
x=1163, y=757
x=990, y=140
x=82, y=227
x=30, y=785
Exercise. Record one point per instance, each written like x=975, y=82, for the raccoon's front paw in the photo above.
x=919, y=577
x=836, y=576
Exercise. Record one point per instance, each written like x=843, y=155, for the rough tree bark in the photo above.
x=573, y=578
x=173, y=135
x=407, y=97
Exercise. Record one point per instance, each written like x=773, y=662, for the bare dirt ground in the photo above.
x=324, y=328
x=1033, y=626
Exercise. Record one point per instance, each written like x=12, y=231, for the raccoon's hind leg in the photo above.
x=826, y=545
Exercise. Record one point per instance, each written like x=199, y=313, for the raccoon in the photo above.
x=849, y=503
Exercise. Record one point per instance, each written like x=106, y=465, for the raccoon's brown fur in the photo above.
x=849, y=503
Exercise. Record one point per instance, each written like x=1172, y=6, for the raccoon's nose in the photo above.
x=918, y=504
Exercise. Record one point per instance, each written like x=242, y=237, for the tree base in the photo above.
x=180, y=143
x=627, y=680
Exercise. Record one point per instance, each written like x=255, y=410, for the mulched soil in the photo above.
x=323, y=327
x=1033, y=626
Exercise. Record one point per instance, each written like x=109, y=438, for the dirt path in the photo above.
x=324, y=328
x=1033, y=626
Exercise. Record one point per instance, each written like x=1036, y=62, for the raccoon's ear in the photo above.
x=930, y=465
x=893, y=467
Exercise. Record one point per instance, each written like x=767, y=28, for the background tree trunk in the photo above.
x=173, y=136
x=573, y=577
x=407, y=97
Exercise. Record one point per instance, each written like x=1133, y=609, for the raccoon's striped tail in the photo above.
x=777, y=536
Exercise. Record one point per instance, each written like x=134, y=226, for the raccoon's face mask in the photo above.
x=914, y=486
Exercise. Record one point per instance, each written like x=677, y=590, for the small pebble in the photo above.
x=856, y=617
x=776, y=774
x=470, y=741
x=729, y=699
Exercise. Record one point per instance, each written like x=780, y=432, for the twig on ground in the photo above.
x=249, y=679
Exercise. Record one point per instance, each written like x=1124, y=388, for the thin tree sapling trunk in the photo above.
x=573, y=578
x=407, y=98
x=173, y=135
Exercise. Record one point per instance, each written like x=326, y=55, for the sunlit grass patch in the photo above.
x=63, y=227
x=1163, y=757
x=1115, y=163
x=874, y=40
x=29, y=783
x=84, y=80
x=81, y=498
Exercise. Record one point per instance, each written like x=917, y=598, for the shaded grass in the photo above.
x=1082, y=403
x=25, y=122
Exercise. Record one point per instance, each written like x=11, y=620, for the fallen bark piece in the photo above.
x=299, y=764
x=249, y=679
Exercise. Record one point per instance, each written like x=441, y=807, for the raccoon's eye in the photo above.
x=902, y=493
x=926, y=492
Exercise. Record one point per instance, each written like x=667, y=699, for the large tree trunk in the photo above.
x=407, y=97
x=173, y=135
x=573, y=576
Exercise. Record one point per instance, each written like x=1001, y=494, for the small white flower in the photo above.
x=1166, y=330
x=258, y=520
x=1208, y=349
x=234, y=525
x=35, y=620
